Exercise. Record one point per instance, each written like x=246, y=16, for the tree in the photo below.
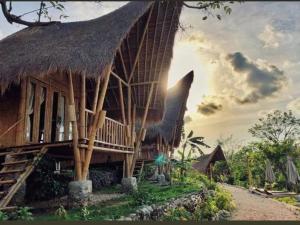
x=277, y=127
x=42, y=11
x=190, y=145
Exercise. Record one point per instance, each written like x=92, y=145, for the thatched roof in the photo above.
x=172, y=122
x=203, y=161
x=92, y=45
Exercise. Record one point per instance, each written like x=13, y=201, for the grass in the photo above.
x=125, y=205
x=289, y=200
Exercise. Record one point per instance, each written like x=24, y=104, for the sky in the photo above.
x=246, y=64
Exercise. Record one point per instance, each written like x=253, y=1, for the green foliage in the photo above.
x=189, y=146
x=61, y=213
x=224, y=199
x=3, y=216
x=276, y=127
x=177, y=214
x=44, y=184
x=288, y=200
x=85, y=213
x=142, y=197
x=24, y=214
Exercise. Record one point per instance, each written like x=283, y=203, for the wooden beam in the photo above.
x=165, y=47
x=96, y=121
x=143, y=123
x=21, y=114
x=82, y=117
x=119, y=78
x=140, y=45
x=74, y=130
x=122, y=102
x=96, y=94
x=123, y=63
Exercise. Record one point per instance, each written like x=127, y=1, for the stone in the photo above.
x=223, y=215
x=79, y=193
x=129, y=184
x=161, y=179
x=297, y=198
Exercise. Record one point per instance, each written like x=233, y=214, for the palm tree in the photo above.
x=189, y=146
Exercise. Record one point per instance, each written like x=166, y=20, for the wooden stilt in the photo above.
x=82, y=122
x=143, y=123
x=72, y=113
x=96, y=123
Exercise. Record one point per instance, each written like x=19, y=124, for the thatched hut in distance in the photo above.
x=76, y=90
x=164, y=136
x=205, y=163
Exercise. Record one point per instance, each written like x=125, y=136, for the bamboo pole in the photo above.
x=72, y=112
x=139, y=138
x=96, y=123
x=82, y=114
x=121, y=98
x=140, y=45
x=96, y=94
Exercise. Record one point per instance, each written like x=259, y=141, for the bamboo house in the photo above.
x=77, y=90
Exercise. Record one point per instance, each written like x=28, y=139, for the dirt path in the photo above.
x=253, y=207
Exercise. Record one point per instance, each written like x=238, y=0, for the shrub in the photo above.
x=176, y=214
x=85, y=213
x=24, y=214
x=3, y=216
x=288, y=200
x=142, y=198
x=224, y=199
x=61, y=213
x=44, y=184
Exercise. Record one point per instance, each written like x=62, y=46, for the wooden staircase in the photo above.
x=18, y=165
x=138, y=169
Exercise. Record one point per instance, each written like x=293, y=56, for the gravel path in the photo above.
x=253, y=207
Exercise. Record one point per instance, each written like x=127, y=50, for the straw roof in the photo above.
x=202, y=164
x=93, y=45
x=172, y=122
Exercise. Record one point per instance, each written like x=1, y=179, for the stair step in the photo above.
x=11, y=171
x=25, y=152
x=7, y=181
x=15, y=162
x=4, y=153
x=8, y=208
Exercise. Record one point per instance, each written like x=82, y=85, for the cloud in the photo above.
x=209, y=106
x=270, y=37
x=256, y=81
x=187, y=119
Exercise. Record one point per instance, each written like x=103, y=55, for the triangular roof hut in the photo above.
x=100, y=76
x=119, y=39
x=170, y=127
x=204, y=161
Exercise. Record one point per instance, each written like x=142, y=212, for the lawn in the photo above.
x=149, y=193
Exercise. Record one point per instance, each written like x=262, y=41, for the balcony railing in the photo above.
x=111, y=135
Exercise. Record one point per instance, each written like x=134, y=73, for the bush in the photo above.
x=24, y=214
x=61, y=213
x=224, y=199
x=3, y=216
x=176, y=214
x=142, y=198
x=44, y=184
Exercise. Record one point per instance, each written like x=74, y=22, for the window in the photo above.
x=30, y=111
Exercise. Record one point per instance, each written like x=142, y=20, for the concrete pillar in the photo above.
x=129, y=184
x=79, y=193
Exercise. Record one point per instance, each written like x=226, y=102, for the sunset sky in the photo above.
x=245, y=65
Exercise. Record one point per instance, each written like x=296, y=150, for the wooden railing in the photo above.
x=113, y=133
